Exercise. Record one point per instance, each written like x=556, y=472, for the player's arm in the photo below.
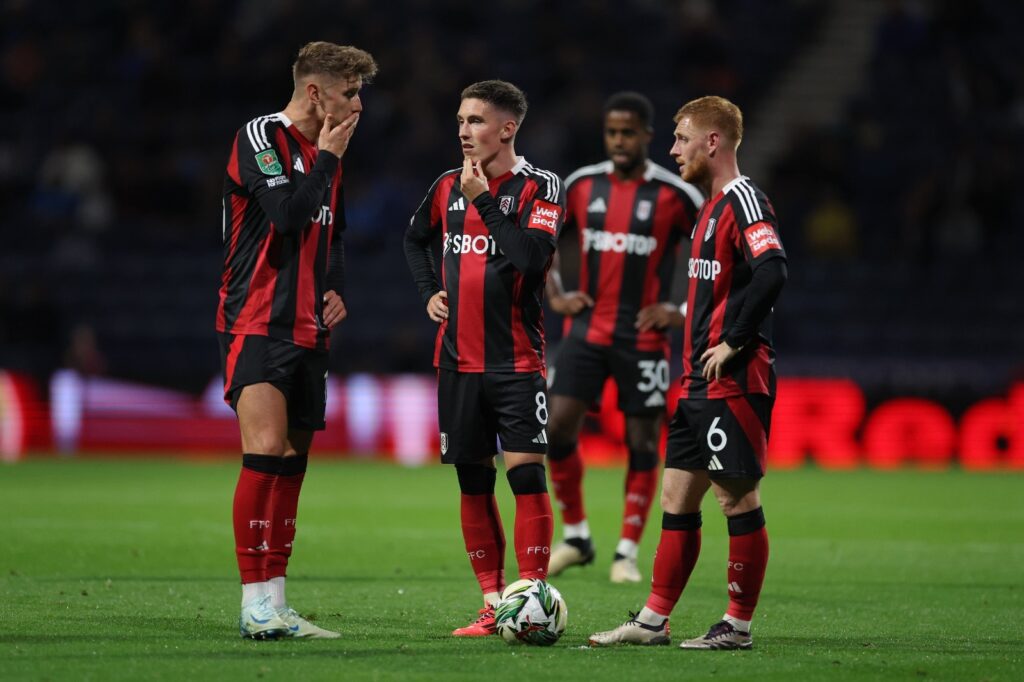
x=418, y=237
x=661, y=315
x=761, y=247
x=334, y=310
x=569, y=303
x=290, y=210
x=529, y=250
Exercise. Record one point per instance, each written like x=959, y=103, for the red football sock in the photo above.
x=677, y=554
x=641, y=487
x=534, y=527
x=251, y=515
x=748, y=559
x=284, y=505
x=485, y=540
x=567, y=480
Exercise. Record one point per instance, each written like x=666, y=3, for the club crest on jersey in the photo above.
x=643, y=209
x=268, y=162
x=709, y=231
x=505, y=204
x=444, y=443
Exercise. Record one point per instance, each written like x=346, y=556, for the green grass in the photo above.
x=124, y=569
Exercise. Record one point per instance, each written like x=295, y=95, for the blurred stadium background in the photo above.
x=890, y=136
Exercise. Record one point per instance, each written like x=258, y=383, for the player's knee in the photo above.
x=643, y=460
x=645, y=441
x=528, y=479
x=267, y=443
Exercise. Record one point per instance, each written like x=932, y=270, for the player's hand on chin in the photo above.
x=714, y=360
x=473, y=180
x=334, y=309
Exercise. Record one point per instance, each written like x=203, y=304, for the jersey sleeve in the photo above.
x=260, y=166
x=422, y=227
x=544, y=212
x=757, y=228
x=261, y=174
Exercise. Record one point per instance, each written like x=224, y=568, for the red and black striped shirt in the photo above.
x=283, y=213
x=629, y=233
x=495, y=316
x=736, y=232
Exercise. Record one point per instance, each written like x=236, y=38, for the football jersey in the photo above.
x=272, y=283
x=495, y=315
x=629, y=232
x=735, y=232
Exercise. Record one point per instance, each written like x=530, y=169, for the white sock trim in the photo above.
x=579, y=530
x=649, y=617
x=741, y=625
x=627, y=548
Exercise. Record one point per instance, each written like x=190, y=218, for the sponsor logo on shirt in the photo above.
x=545, y=216
x=761, y=237
x=619, y=242
x=702, y=268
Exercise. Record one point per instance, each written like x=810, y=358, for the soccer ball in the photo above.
x=531, y=612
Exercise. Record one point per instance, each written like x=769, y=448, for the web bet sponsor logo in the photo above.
x=545, y=216
x=618, y=242
x=702, y=268
x=761, y=237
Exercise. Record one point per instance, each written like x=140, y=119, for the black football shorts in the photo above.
x=300, y=373
x=476, y=409
x=642, y=377
x=728, y=437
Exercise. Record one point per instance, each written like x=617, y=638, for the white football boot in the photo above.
x=633, y=632
x=259, y=621
x=300, y=627
x=624, y=570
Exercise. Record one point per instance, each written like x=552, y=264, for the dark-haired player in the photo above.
x=498, y=218
x=630, y=215
x=718, y=437
x=281, y=293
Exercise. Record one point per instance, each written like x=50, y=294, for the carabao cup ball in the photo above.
x=531, y=611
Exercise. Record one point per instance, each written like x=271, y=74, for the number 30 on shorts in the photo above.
x=654, y=374
x=542, y=407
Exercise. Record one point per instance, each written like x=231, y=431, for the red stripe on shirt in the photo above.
x=472, y=278
x=438, y=213
x=724, y=254
x=259, y=297
x=238, y=206
x=576, y=212
x=606, y=306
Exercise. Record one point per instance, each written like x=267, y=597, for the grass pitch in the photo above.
x=124, y=569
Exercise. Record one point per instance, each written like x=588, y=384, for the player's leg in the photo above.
x=263, y=422
x=520, y=407
x=534, y=522
x=684, y=485
x=739, y=437
x=469, y=442
x=576, y=548
x=576, y=382
x=642, y=436
x=307, y=406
